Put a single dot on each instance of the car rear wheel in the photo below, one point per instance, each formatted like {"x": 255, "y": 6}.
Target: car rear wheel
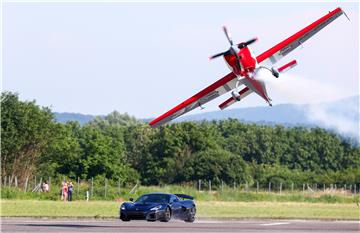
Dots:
{"x": 191, "y": 215}
{"x": 167, "y": 215}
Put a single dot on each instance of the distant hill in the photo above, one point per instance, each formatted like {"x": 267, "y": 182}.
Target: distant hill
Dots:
{"x": 64, "y": 117}
{"x": 341, "y": 115}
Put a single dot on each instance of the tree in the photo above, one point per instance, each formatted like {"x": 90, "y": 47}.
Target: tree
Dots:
{"x": 26, "y": 131}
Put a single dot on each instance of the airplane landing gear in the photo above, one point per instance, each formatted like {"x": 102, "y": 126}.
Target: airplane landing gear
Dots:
{"x": 236, "y": 95}
{"x": 275, "y": 72}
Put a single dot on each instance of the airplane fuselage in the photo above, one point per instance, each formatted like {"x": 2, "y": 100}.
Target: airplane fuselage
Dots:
{"x": 247, "y": 73}
{"x": 247, "y": 60}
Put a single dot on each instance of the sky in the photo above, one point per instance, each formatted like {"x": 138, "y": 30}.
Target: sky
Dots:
{"x": 145, "y": 58}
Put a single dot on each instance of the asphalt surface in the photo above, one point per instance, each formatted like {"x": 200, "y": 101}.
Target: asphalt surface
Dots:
{"x": 92, "y": 225}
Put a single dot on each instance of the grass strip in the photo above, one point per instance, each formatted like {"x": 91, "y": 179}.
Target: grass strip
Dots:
{"x": 205, "y": 209}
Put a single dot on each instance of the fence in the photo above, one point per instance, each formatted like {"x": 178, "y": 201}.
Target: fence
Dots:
{"x": 104, "y": 188}
{"x": 207, "y": 185}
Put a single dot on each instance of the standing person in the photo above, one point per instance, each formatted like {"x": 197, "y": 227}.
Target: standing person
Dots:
{"x": 65, "y": 191}
{"x": 70, "y": 191}
{"x": 46, "y": 187}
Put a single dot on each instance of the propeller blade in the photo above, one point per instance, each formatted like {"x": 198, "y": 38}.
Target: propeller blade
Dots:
{"x": 228, "y": 36}
{"x": 249, "y": 42}
{"x": 217, "y": 55}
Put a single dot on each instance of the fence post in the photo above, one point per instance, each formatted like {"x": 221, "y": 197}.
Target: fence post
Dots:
{"x": 78, "y": 186}
{"x": 303, "y": 188}
{"x": 49, "y": 183}
{"x": 35, "y": 183}
{"x": 324, "y": 187}
{"x": 40, "y": 184}
{"x": 280, "y": 187}
{"x": 210, "y": 185}
{"x": 335, "y": 187}
{"x": 292, "y": 187}
{"x": 222, "y": 185}
{"x": 199, "y": 185}
{"x": 26, "y": 184}
{"x": 355, "y": 189}
{"x": 269, "y": 187}
{"x": 4, "y": 180}
{"x": 257, "y": 186}
{"x": 234, "y": 184}
{"x": 119, "y": 186}
{"x": 92, "y": 186}
{"x": 16, "y": 183}
{"x": 246, "y": 186}
{"x": 87, "y": 195}
{"x": 105, "y": 187}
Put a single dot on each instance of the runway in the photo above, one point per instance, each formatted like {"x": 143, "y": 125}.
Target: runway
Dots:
{"x": 113, "y": 225}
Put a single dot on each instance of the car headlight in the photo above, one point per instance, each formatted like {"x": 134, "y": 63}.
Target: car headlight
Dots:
{"x": 122, "y": 207}
{"x": 156, "y": 207}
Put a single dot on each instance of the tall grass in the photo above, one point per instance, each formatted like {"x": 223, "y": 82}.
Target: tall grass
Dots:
{"x": 227, "y": 194}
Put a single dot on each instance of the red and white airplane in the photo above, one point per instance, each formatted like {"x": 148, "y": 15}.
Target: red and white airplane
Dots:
{"x": 244, "y": 66}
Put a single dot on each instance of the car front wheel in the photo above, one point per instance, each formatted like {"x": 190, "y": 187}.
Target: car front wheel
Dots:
{"x": 167, "y": 215}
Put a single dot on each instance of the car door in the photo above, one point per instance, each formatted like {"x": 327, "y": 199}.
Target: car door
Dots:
{"x": 175, "y": 206}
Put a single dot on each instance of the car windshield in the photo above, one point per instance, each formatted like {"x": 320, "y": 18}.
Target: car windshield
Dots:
{"x": 153, "y": 198}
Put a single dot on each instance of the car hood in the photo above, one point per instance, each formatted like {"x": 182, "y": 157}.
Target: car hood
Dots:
{"x": 138, "y": 206}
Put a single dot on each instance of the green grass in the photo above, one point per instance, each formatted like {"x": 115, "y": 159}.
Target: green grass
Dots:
{"x": 278, "y": 210}
{"x": 228, "y": 194}
{"x": 206, "y": 209}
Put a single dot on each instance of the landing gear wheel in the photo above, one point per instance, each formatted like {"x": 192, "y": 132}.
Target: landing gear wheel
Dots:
{"x": 167, "y": 215}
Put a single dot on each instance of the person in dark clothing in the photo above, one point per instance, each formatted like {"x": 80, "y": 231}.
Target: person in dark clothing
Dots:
{"x": 70, "y": 191}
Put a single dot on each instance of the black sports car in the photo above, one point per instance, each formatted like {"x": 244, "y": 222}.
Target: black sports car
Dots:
{"x": 159, "y": 206}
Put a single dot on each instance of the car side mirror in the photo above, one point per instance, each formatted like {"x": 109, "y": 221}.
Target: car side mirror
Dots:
{"x": 131, "y": 199}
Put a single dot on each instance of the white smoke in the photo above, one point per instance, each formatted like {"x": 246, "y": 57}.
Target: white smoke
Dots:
{"x": 323, "y": 115}
{"x": 313, "y": 95}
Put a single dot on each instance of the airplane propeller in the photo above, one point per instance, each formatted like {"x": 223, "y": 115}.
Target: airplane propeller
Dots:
{"x": 233, "y": 50}
{"x": 229, "y": 51}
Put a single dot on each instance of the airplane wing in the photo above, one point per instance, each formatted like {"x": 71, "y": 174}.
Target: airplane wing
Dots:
{"x": 280, "y": 50}
{"x": 213, "y": 91}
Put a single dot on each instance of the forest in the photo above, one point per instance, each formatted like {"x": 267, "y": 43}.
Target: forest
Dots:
{"x": 121, "y": 147}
